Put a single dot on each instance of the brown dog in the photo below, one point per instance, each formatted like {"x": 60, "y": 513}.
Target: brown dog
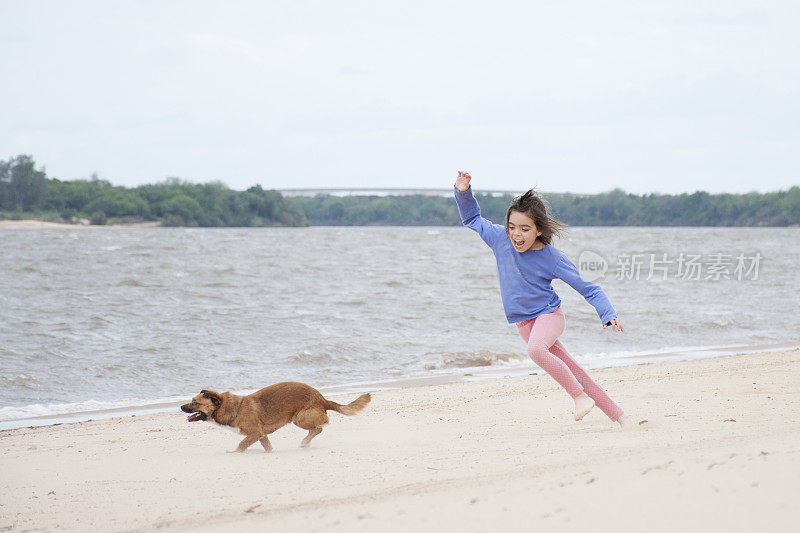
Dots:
{"x": 259, "y": 414}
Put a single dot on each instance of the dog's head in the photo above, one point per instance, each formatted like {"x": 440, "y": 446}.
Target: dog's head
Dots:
{"x": 203, "y": 406}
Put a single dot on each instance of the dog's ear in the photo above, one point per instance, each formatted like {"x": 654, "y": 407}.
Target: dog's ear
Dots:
{"x": 211, "y": 395}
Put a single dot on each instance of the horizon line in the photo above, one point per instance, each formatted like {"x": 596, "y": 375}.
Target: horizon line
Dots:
{"x": 384, "y": 191}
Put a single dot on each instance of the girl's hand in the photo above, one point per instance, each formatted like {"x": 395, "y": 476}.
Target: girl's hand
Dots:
{"x": 615, "y": 324}
{"x": 462, "y": 181}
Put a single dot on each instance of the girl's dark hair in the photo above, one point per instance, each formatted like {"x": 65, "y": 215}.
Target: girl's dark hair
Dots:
{"x": 534, "y": 206}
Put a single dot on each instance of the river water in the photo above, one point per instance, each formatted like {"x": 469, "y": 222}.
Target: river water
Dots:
{"x": 100, "y": 317}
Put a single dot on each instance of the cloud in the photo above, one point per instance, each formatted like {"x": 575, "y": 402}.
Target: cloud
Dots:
{"x": 579, "y": 95}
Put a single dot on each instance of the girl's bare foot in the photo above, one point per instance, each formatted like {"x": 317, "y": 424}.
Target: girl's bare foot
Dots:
{"x": 626, "y": 422}
{"x": 583, "y": 404}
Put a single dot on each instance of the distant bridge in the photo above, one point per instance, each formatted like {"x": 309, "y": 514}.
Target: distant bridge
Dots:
{"x": 366, "y": 191}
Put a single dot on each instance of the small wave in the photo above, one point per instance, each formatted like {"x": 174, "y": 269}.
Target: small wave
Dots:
{"x": 306, "y": 357}
{"x": 21, "y": 381}
{"x": 56, "y": 353}
{"x": 88, "y": 406}
{"x": 688, "y": 352}
{"x": 131, "y": 282}
{"x": 722, "y": 323}
{"x": 97, "y": 320}
{"x": 473, "y": 359}
{"x": 355, "y": 303}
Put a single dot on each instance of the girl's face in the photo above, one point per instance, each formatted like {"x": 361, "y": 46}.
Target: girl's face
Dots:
{"x": 523, "y": 232}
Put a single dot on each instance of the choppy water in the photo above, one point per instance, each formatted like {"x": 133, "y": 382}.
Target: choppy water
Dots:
{"x": 99, "y": 315}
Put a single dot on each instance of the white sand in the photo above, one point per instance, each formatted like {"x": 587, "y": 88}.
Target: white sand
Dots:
{"x": 720, "y": 451}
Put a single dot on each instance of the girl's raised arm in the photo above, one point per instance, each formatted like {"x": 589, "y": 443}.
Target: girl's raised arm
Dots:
{"x": 470, "y": 212}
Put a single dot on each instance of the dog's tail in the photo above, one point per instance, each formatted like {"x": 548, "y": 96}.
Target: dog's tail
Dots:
{"x": 351, "y": 408}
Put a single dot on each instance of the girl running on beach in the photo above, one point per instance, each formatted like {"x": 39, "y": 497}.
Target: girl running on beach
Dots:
{"x": 526, "y": 264}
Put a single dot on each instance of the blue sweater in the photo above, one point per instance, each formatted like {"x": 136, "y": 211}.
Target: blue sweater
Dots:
{"x": 525, "y": 277}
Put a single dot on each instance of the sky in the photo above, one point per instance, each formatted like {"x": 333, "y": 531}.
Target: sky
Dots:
{"x": 567, "y": 96}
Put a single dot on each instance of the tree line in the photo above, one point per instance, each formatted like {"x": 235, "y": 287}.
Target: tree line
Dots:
{"x": 614, "y": 208}
{"x": 27, "y": 192}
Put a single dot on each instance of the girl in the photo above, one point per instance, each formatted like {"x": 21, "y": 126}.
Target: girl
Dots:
{"x": 526, "y": 264}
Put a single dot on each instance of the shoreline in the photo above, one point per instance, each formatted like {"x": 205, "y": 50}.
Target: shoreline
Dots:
{"x": 714, "y": 448}
{"x": 32, "y": 223}
{"x": 460, "y": 375}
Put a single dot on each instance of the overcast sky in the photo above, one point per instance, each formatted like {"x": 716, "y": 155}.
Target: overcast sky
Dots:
{"x": 577, "y": 96}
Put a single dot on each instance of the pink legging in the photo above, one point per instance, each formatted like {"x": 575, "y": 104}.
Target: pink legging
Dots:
{"x": 541, "y": 334}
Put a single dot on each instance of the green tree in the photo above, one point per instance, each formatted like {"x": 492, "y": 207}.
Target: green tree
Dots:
{"x": 24, "y": 185}
{"x": 181, "y": 210}
{"x": 790, "y": 206}
{"x": 118, "y": 202}
{"x": 5, "y": 178}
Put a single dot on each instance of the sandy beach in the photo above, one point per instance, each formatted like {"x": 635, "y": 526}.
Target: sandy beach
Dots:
{"x": 715, "y": 449}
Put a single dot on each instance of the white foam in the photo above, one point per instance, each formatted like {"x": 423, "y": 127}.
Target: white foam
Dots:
{"x": 29, "y": 412}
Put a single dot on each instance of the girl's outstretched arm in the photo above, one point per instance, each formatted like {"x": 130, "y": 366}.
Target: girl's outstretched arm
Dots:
{"x": 565, "y": 270}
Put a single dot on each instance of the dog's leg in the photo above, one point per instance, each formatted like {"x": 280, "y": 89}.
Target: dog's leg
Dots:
{"x": 265, "y": 443}
{"x": 313, "y": 432}
{"x": 312, "y": 420}
{"x": 248, "y": 440}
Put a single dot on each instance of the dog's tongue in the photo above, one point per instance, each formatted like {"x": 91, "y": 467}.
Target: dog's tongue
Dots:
{"x": 193, "y": 417}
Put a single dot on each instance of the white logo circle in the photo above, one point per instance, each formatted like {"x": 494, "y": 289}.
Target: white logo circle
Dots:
{"x": 592, "y": 265}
